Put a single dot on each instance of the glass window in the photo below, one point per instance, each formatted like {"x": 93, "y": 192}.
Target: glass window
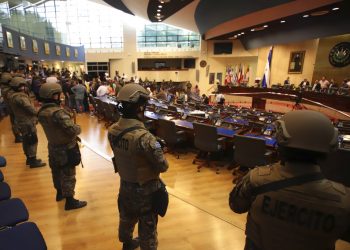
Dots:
{"x": 162, "y": 35}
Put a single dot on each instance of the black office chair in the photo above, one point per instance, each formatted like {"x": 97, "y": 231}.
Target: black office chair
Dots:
{"x": 173, "y": 137}
{"x": 336, "y": 166}
{"x": 248, "y": 153}
{"x": 207, "y": 141}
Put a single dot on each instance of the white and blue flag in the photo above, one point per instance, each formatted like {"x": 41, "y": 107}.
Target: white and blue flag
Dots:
{"x": 266, "y": 79}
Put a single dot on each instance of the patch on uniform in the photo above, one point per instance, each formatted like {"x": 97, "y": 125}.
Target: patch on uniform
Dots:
{"x": 263, "y": 171}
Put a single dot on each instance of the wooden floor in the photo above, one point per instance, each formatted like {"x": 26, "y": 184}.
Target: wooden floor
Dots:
{"x": 198, "y": 215}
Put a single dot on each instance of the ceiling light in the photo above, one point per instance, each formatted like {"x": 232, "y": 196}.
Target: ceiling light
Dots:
{"x": 335, "y": 8}
{"x": 16, "y": 57}
{"x": 252, "y": 30}
{"x": 235, "y": 36}
{"x": 239, "y": 35}
{"x": 159, "y": 10}
{"x": 159, "y": 20}
{"x": 283, "y": 21}
{"x": 265, "y": 26}
{"x": 158, "y": 14}
{"x": 242, "y": 33}
{"x": 160, "y": 6}
{"x": 306, "y": 15}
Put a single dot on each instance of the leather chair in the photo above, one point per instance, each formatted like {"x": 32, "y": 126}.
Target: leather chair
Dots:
{"x": 207, "y": 141}
{"x": 173, "y": 137}
{"x": 336, "y": 166}
{"x": 23, "y": 236}
{"x": 248, "y": 153}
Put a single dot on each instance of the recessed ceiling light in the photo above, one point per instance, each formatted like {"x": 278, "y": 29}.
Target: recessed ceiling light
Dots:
{"x": 265, "y": 26}
{"x": 252, "y": 30}
{"x": 335, "y": 8}
{"x": 158, "y": 10}
{"x": 283, "y": 21}
{"x": 235, "y": 36}
{"x": 239, "y": 34}
{"x": 306, "y": 15}
{"x": 158, "y": 14}
{"x": 160, "y": 6}
{"x": 159, "y": 20}
{"x": 242, "y": 33}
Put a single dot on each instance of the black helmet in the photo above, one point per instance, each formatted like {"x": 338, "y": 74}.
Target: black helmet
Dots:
{"x": 306, "y": 130}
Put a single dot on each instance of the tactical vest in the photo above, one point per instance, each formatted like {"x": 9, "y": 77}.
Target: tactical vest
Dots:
{"x": 55, "y": 133}
{"x": 132, "y": 163}
{"x": 22, "y": 115}
{"x": 310, "y": 216}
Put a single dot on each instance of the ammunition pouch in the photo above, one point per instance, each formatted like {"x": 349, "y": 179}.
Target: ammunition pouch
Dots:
{"x": 160, "y": 200}
{"x": 74, "y": 156}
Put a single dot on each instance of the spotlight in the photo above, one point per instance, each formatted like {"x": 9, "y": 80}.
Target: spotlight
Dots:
{"x": 265, "y": 26}
{"x": 283, "y": 21}
{"x": 335, "y": 8}
{"x": 242, "y": 33}
{"x": 305, "y": 16}
{"x": 160, "y": 6}
{"x": 252, "y": 30}
{"x": 158, "y": 10}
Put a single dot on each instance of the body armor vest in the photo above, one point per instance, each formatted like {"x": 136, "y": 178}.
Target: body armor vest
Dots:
{"x": 310, "y": 216}
{"x": 131, "y": 161}
{"x": 55, "y": 134}
{"x": 22, "y": 115}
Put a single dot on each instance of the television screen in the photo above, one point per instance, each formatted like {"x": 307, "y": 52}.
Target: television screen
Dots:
{"x": 222, "y": 48}
{"x": 159, "y": 65}
{"x": 189, "y": 63}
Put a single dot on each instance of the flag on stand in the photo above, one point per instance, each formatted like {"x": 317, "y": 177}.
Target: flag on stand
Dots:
{"x": 266, "y": 78}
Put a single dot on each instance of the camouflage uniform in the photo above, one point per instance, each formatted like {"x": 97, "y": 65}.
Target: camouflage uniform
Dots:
{"x": 140, "y": 160}
{"x": 6, "y": 93}
{"x": 25, "y": 116}
{"x": 61, "y": 134}
{"x": 292, "y": 206}
{"x": 308, "y": 216}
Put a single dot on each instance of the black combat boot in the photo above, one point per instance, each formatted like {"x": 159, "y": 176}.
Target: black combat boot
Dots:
{"x": 33, "y": 162}
{"x": 131, "y": 245}
{"x": 18, "y": 139}
{"x": 59, "y": 195}
{"x": 72, "y": 203}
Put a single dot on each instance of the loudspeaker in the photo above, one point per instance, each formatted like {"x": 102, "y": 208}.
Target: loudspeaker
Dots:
{"x": 133, "y": 68}
{"x": 197, "y": 75}
{"x": 207, "y": 71}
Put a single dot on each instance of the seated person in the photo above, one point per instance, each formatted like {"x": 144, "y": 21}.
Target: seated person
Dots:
{"x": 287, "y": 82}
{"x": 162, "y": 94}
{"x": 220, "y": 99}
{"x": 304, "y": 84}
{"x": 324, "y": 83}
{"x": 205, "y": 99}
{"x": 316, "y": 86}
{"x": 182, "y": 97}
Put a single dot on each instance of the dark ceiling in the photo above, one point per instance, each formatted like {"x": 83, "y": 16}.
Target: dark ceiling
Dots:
{"x": 222, "y": 20}
{"x": 167, "y": 10}
{"x": 210, "y": 13}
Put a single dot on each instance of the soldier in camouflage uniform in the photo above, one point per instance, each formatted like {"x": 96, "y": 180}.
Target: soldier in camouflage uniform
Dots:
{"x": 25, "y": 116}
{"x": 139, "y": 160}
{"x": 64, "y": 152}
{"x": 291, "y": 205}
{"x": 6, "y": 91}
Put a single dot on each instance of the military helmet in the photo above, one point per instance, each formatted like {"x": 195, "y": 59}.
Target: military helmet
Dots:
{"x": 306, "y": 130}
{"x": 5, "y": 78}
{"x": 47, "y": 90}
{"x": 16, "y": 82}
{"x": 132, "y": 93}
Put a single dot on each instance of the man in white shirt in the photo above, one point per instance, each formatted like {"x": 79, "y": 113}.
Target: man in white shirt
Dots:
{"x": 220, "y": 99}
{"x": 324, "y": 83}
{"x": 102, "y": 90}
{"x": 52, "y": 78}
